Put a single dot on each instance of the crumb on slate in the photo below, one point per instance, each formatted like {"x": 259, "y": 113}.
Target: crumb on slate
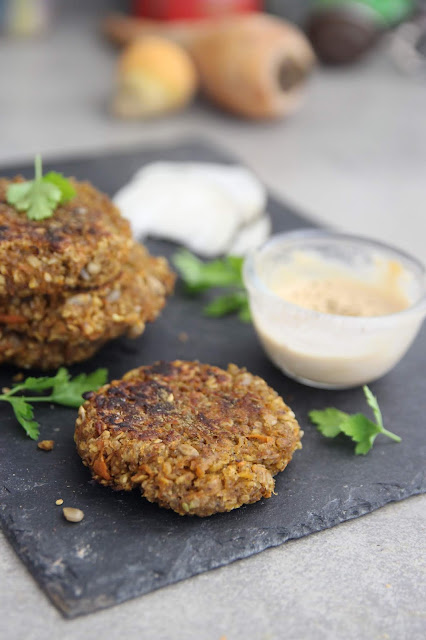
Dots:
{"x": 73, "y": 515}
{"x": 46, "y": 445}
{"x": 18, "y": 377}
{"x": 59, "y": 501}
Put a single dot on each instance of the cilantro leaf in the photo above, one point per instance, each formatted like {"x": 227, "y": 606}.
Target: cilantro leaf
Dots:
{"x": 69, "y": 392}
{"x": 40, "y": 384}
{"x": 223, "y": 305}
{"x": 24, "y": 414}
{"x": 37, "y": 198}
{"x": 245, "y": 313}
{"x": 237, "y": 263}
{"x": 363, "y": 431}
{"x": 328, "y": 421}
{"x": 199, "y": 276}
{"x": 40, "y": 197}
{"x": 66, "y": 188}
{"x": 19, "y": 195}
{"x": 66, "y": 391}
{"x": 373, "y": 404}
{"x": 226, "y": 273}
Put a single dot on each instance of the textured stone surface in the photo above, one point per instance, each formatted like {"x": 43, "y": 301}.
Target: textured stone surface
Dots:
{"x": 126, "y": 547}
{"x": 362, "y": 579}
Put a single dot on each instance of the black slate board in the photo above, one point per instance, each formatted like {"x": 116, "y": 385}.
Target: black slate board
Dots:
{"x": 125, "y": 546}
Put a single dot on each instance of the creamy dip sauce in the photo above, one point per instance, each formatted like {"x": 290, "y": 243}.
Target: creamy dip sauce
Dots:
{"x": 330, "y": 368}
{"x": 326, "y": 352}
{"x": 343, "y": 296}
{"x": 315, "y": 284}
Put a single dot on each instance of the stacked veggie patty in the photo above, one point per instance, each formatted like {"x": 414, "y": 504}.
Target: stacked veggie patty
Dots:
{"x": 71, "y": 282}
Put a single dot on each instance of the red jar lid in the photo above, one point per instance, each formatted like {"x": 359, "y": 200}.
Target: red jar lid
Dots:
{"x": 192, "y": 9}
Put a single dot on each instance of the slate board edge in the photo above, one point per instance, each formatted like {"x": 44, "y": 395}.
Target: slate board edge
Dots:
{"x": 84, "y": 606}
{"x": 222, "y": 152}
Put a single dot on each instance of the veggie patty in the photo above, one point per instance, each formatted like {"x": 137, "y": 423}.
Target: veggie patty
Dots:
{"x": 193, "y": 437}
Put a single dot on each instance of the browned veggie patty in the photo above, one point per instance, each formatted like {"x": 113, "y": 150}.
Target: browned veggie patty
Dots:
{"x": 194, "y": 438}
{"x": 83, "y": 245}
{"x": 28, "y": 353}
{"x": 126, "y": 303}
{"x": 46, "y": 331}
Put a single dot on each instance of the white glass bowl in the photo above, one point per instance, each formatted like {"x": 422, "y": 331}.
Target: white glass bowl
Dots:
{"x": 325, "y": 350}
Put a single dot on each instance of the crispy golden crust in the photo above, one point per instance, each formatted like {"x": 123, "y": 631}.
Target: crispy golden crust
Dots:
{"x": 194, "y": 438}
{"x": 28, "y": 353}
{"x": 83, "y": 244}
{"x": 125, "y": 304}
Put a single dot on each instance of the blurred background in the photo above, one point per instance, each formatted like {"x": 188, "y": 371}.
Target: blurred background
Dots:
{"x": 326, "y": 102}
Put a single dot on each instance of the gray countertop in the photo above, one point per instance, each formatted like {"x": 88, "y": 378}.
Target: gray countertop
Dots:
{"x": 353, "y": 157}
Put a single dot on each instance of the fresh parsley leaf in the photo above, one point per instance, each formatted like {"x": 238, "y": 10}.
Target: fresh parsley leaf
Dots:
{"x": 69, "y": 392}
{"x": 199, "y": 276}
{"x": 40, "y": 384}
{"x": 237, "y": 263}
{"x": 328, "y": 421}
{"x": 24, "y": 414}
{"x": 40, "y": 197}
{"x": 37, "y": 198}
{"x": 244, "y": 313}
{"x": 373, "y": 404}
{"x": 65, "y": 391}
{"x": 225, "y": 273}
{"x": 363, "y": 431}
{"x": 223, "y": 305}
{"x": 67, "y": 190}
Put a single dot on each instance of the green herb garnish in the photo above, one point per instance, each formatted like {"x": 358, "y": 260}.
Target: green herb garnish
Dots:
{"x": 65, "y": 391}
{"x": 40, "y": 197}
{"x": 225, "y": 273}
{"x": 64, "y": 185}
{"x": 330, "y": 422}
